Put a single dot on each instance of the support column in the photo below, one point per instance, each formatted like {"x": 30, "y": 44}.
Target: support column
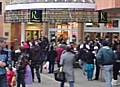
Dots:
{"x": 45, "y": 29}
{"x": 22, "y": 32}
{"x": 81, "y": 31}
{"x": 119, "y": 28}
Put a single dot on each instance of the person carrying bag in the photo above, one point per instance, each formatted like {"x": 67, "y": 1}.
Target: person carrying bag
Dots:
{"x": 66, "y": 61}
{"x": 59, "y": 75}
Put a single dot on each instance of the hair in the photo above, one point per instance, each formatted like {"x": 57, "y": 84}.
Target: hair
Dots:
{"x": 68, "y": 49}
{"x": 105, "y": 43}
{"x": 51, "y": 48}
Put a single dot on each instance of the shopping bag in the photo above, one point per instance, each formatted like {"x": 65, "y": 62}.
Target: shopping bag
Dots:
{"x": 46, "y": 65}
{"x": 59, "y": 76}
{"x": 13, "y": 82}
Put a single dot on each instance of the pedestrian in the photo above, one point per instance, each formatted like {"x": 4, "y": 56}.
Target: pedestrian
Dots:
{"x": 97, "y": 67}
{"x": 59, "y": 51}
{"x": 89, "y": 66}
{"x": 116, "y": 66}
{"x": 105, "y": 58}
{"x": 20, "y": 70}
{"x": 51, "y": 58}
{"x": 28, "y": 73}
{"x": 36, "y": 61}
{"x": 67, "y": 60}
{"x": 3, "y": 62}
{"x": 10, "y": 76}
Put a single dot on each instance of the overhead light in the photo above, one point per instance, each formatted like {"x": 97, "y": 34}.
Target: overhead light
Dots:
{"x": 55, "y": 0}
{"x": 89, "y": 24}
{"x": 46, "y": 0}
{"x": 75, "y": 0}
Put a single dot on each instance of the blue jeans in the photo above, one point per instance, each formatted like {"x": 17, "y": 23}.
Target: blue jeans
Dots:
{"x": 107, "y": 72}
{"x": 89, "y": 74}
{"x": 71, "y": 83}
{"x": 3, "y": 81}
{"x": 89, "y": 68}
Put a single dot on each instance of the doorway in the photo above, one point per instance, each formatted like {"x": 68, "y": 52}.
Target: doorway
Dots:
{"x": 31, "y": 34}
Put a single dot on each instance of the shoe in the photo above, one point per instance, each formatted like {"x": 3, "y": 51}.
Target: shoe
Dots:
{"x": 39, "y": 80}
{"x": 89, "y": 79}
{"x": 33, "y": 80}
{"x": 114, "y": 82}
{"x": 95, "y": 79}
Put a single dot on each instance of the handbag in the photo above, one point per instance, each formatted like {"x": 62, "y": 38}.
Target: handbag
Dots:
{"x": 59, "y": 75}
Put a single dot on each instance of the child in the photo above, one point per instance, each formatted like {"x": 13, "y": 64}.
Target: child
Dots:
{"x": 28, "y": 73}
{"x": 11, "y": 77}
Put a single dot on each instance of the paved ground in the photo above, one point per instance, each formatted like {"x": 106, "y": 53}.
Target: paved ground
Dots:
{"x": 80, "y": 81}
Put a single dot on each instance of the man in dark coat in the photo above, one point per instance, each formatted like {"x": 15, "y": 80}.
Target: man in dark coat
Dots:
{"x": 35, "y": 61}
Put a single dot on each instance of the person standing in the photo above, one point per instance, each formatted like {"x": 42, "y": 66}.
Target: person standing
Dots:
{"x": 105, "y": 58}
{"x": 20, "y": 70}
{"x": 97, "y": 67}
{"x": 59, "y": 51}
{"x": 67, "y": 61}
{"x": 89, "y": 66}
{"x": 116, "y": 66}
{"x": 3, "y": 62}
{"x": 36, "y": 61}
{"x": 51, "y": 58}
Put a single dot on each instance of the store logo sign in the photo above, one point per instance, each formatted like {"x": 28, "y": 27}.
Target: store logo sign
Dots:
{"x": 102, "y": 17}
{"x": 36, "y": 16}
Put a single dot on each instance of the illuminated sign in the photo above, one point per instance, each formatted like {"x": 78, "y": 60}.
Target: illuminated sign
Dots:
{"x": 36, "y": 16}
{"x": 102, "y": 17}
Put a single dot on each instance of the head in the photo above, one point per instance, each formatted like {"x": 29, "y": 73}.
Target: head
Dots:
{"x": 2, "y": 42}
{"x": 68, "y": 48}
{"x": 10, "y": 67}
{"x": 51, "y": 48}
{"x": 105, "y": 43}
{"x": 118, "y": 48}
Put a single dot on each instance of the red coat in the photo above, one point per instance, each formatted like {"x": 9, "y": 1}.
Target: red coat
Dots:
{"x": 59, "y": 52}
{"x": 10, "y": 75}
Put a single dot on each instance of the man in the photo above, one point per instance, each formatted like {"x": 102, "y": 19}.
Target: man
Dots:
{"x": 3, "y": 62}
{"x": 36, "y": 61}
{"x": 106, "y": 58}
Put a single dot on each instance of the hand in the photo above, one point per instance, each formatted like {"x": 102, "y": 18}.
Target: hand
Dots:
{"x": 2, "y": 64}
{"x": 61, "y": 69}
{"x": 100, "y": 66}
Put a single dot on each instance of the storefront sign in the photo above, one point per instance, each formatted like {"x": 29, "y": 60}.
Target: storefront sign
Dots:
{"x": 36, "y": 16}
{"x": 102, "y": 17}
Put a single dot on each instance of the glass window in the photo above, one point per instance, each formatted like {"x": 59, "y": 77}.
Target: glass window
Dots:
{"x": 115, "y": 23}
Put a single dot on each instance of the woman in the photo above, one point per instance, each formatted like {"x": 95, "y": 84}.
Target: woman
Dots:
{"x": 66, "y": 61}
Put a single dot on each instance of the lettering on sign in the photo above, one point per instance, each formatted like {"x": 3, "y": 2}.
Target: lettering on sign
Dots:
{"x": 36, "y": 16}
{"x": 102, "y": 17}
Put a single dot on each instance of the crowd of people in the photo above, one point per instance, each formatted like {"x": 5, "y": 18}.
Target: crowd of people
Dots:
{"x": 19, "y": 65}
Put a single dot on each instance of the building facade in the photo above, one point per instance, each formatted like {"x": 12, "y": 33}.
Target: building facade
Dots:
{"x": 112, "y": 7}
{"x": 58, "y": 18}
